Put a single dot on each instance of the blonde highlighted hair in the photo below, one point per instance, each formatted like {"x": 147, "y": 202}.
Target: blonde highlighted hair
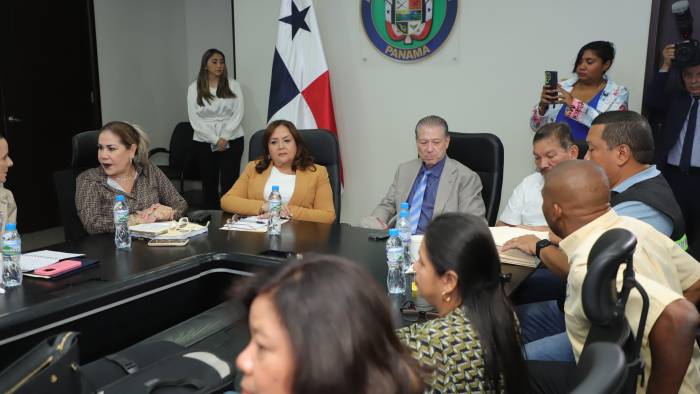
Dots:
{"x": 130, "y": 134}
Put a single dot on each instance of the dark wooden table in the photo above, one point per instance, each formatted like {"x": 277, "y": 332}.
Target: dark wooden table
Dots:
{"x": 133, "y": 294}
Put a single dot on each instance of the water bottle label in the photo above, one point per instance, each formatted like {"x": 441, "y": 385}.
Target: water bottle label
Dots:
{"x": 121, "y": 216}
{"x": 394, "y": 254}
{"x": 275, "y": 205}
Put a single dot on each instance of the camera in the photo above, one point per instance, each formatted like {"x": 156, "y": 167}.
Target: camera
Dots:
{"x": 687, "y": 52}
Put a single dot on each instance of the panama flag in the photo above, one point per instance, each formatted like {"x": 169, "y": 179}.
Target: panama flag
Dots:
{"x": 301, "y": 87}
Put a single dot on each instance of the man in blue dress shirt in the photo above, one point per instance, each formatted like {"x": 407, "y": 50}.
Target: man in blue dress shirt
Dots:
{"x": 431, "y": 184}
{"x": 623, "y": 144}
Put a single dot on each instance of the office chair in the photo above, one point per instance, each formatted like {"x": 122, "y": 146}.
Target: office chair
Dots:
{"x": 84, "y": 157}
{"x": 601, "y": 369}
{"x": 605, "y": 306}
{"x": 181, "y": 164}
{"x": 483, "y": 154}
{"x": 323, "y": 146}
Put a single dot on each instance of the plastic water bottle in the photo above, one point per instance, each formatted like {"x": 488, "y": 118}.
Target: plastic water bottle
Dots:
{"x": 395, "y": 278}
{"x": 404, "y": 227}
{"x": 122, "y": 239}
{"x": 274, "y": 203}
{"x": 11, "y": 253}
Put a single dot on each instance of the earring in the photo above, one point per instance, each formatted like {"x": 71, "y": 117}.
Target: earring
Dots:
{"x": 445, "y": 297}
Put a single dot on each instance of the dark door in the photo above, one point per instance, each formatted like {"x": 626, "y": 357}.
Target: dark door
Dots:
{"x": 49, "y": 93}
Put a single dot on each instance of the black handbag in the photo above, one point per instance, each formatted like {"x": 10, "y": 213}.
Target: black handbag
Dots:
{"x": 52, "y": 366}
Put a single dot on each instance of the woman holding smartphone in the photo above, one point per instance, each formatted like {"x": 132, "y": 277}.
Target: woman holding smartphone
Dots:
{"x": 579, "y": 100}
{"x": 215, "y": 109}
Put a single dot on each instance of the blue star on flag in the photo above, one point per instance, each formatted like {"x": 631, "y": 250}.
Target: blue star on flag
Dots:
{"x": 297, "y": 19}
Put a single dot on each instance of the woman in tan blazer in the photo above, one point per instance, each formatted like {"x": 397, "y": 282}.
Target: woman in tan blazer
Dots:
{"x": 305, "y": 188}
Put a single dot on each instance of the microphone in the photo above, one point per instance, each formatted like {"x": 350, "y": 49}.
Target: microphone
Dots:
{"x": 684, "y": 19}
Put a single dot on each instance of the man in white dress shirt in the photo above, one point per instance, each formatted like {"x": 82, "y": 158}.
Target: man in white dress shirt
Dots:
{"x": 552, "y": 144}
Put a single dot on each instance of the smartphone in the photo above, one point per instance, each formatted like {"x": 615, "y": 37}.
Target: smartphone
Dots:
{"x": 59, "y": 268}
{"x": 168, "y": 242}
{"x": 378, "y": 236}
{"x": 551, "y": 80}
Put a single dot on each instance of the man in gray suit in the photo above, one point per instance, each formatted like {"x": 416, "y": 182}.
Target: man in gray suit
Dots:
{"x": 432, "y": 184}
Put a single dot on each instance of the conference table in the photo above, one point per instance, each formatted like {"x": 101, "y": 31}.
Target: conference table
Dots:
{"x": 132, "y": 295}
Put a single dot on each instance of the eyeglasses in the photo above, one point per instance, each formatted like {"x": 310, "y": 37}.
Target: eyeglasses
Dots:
{"x": 235, "y": 221}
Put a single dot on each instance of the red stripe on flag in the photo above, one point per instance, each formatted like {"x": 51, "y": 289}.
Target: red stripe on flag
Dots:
{"x": 318, "y": 98}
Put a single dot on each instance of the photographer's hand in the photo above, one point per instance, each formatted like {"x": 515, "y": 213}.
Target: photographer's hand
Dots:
{"x": 669, "y": 53}
{"x": 546, "y": 98}
{"x": 564, "y": 96}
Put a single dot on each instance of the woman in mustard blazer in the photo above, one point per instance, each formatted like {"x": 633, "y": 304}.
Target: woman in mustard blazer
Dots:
{"x": 304, "y": 186}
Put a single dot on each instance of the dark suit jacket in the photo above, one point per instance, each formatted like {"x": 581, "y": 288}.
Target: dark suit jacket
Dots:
{"x": 674, "y": 107}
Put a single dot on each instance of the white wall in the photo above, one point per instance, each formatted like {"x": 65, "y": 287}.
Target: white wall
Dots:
{"x": 486, "y": 77}
{"x": 149, "y": 52}
{"x": 208, "y": 25}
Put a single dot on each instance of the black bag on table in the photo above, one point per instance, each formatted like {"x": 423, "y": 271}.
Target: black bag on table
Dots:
{"x": 50, "y": 367}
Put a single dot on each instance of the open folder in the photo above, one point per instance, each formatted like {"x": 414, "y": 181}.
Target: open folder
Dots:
{"x": 503, "y": 234}
{"x": 36, "y": 260}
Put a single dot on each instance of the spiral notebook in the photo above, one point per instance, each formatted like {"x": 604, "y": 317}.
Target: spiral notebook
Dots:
{"x": 40, "y": 259}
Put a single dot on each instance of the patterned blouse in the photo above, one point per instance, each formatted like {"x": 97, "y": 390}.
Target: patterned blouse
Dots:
{"x": 450, "y": 346}
{"x": 94, "y": 198}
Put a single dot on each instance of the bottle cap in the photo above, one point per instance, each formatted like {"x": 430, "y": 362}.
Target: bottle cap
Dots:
{"x": 119, "y": 197}
{"x": 404, "y": 205}
{"x": 275, "y": 188}
{"x": 403, "y": 213}
{"x": 10, "y": 227}
{"x": 393, "y": 232}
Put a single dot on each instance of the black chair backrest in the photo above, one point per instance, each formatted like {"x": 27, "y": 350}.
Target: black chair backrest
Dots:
{"x": 180, "y": 157}
{"x": 601, "y": 369}
{"x": 604, "y": 305}
{"x": 64, "y": 181}
{"x": 323, "y": 146}
{"x": 483, "y": 154}
{"x": 599, "y": 293}
{"x": 85, "y": 150}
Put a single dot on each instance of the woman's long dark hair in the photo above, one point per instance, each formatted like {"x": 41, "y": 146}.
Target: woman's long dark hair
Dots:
{"x": 222, "y": 89}
{"x": 302, "y": 160}
{"x": 339, "y": 324}
{"x": 463, "y": 243}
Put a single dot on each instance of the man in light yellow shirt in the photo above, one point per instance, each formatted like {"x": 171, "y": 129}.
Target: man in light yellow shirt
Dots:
{"x": 576, "y": 204}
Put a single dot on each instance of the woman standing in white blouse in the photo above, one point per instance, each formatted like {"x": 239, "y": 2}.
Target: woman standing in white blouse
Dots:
{"x": 215, "y": 109}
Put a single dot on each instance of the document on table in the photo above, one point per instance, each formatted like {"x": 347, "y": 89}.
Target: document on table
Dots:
{"x": 167, "y": 230}
{"x": 36, "y": 260}
{"x": 503, "y": 234}
{"x": 250, "y": 223}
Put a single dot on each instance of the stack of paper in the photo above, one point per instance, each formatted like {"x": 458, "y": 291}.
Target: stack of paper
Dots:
{"x": 503, "y": 234}
{"x": 36, "y": 260}
{"x": 150, "y": 230}
{"x": 167, "y": 230}
{"x": 250, "y": 223}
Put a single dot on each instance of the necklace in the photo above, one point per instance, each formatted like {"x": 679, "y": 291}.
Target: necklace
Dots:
{"x": 121, "y": 178}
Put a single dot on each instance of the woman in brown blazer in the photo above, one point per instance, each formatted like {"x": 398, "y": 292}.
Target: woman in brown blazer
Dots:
{"x": 305, "y": 188}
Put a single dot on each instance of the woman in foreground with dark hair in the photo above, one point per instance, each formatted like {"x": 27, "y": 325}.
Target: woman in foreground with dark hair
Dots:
{"x": 474, "y": 346}
{"x": 304, "y": 186}
{"x": 322, "y": 325}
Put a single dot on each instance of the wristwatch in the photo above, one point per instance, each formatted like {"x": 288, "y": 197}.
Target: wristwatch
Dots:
{"x": 541, "y": 244}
